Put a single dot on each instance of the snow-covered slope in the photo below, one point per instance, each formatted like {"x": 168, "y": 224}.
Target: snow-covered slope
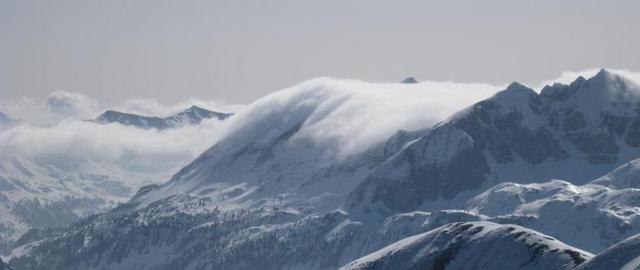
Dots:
{"x": 474, "y": 245}
{"x": 44, "y": 195}
{"x": 591, "y": 216}
{"x": 624, "y": 256}
{"x": 575, "y": 132}
{"x": 191, "y": 116}
{"x": 625, "y": 176}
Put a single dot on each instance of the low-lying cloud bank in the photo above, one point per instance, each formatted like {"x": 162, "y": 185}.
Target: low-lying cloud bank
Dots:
{"x": 127, "y": 147}
{"x": 55, "y": 130}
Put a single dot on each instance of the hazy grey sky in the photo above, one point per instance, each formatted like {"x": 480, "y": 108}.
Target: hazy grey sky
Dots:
{"x": 241, "y": 50}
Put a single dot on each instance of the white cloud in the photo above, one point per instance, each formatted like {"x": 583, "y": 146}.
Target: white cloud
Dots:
{"x": 73, "y": 105}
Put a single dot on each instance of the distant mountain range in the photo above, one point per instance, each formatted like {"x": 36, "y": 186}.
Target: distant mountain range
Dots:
{"x": 191, "y": 116}
{"x": 520, "y": 180}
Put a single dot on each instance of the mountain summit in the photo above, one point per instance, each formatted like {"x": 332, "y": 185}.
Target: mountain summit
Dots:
{"x": 410, "y": 80}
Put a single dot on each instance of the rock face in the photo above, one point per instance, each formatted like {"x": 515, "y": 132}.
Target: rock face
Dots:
{"x": 474, "y": 245}
{"x": 574, "y": 132}
{"x": 191, "y": 116}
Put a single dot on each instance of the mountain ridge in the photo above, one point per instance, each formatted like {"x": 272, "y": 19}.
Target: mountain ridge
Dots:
{"x": 190, "y": 116}
{"x": 516, "y": 134}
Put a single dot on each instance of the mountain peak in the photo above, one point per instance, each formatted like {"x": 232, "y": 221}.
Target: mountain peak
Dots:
{"x": 514, "y": 92}
{"x": 195, "y": 108}
{"x": 516, "y": 86}
{"x": 603, "y": 73}
{"x": 604, "y": 79}
{"x": 410, "y": 80}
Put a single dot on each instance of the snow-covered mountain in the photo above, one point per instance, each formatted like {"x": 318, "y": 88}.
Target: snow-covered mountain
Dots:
{"x": 573, "y": 132}
{"x": 474, "y": 245}
{"x": 191, "y": 116}
{"x": 318, "y": 175}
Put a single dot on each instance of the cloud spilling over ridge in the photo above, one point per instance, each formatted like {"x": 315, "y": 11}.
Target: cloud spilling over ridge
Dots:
{"x": 349, "y": 116}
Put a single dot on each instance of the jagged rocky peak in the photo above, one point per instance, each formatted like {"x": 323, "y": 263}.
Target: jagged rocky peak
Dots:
{"x": 410, "y": 80}
{"x": 516, "y": 94}
{"x": 191, "y": 116}
{"x": 603, "y": 87}
{"x": 518, "y": 87}
{"x": 204, "y": 113}
{"x": 474, "y": 245}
